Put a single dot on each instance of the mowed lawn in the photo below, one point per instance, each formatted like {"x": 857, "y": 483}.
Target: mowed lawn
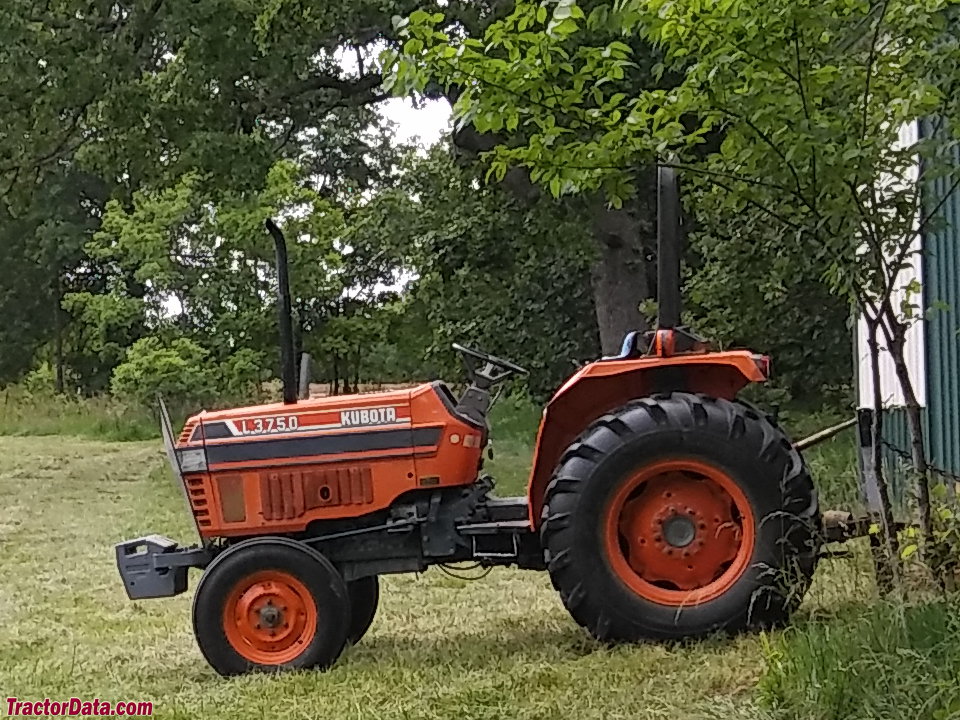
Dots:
{"x": 501, "y": 647}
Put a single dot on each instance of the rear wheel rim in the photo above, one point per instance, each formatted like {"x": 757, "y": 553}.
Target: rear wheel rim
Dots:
{"x": 270, "y": 617}
{"x": 679, "y": 532}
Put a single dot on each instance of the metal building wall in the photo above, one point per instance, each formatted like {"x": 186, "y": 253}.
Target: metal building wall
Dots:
{"x": 896, "y": 432}
{"x": 941, "y": 288}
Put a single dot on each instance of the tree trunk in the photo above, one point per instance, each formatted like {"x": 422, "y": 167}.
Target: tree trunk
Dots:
{"x": 336, "y": 375}
{"x": 887, "y": 524}
{"x": 619, "y": 277}
{"x": 58, "y": 335}
{"x": 619, "y": 286}
{"x": 356, "y": 370}
{"x": 918, "y": 455}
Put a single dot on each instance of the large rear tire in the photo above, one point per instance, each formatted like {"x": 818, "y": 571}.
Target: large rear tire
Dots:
{"x": 270, "y": 604}
{"x": 679, "y": 515}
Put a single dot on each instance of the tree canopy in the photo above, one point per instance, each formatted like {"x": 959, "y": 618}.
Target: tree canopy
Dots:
{"x": 145, "y": 143}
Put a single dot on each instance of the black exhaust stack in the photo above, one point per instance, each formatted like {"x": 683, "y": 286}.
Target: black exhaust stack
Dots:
{"x": 288, "y": 368}
{"x": 669, "y": 235}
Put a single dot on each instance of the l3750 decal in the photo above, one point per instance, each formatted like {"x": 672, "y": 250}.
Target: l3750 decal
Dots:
{"x": 326, "y": 419}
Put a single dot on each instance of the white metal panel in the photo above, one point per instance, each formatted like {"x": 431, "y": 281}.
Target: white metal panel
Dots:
{"x": 914, "y": 352}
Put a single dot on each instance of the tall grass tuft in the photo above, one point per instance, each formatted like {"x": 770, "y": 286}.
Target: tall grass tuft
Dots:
{"x": 889, "y": 662}
{"x": 103, "y": 418}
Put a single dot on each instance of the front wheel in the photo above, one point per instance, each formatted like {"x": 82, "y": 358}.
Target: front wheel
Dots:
{"x": 679, "y": 515}
{"x": 270, "y": 604}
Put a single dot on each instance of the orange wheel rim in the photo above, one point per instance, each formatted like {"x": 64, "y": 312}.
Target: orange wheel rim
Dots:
{"x": 679, "y": 532}
{"x": 270, "y": 617}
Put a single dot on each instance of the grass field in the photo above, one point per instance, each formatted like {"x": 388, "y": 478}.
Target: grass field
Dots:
{"x": 440, "y": 647}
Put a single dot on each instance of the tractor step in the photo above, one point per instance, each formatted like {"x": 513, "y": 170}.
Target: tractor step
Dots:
{"x": 504, "y": 542}
{"x": 499, "y": 527}
{"x": 506, "y": 508}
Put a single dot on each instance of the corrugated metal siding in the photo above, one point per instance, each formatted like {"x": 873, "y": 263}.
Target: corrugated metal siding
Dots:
{"x": 914, "y": 349}
{"x": 941, "y": 282}
{"x": 897, "y": 433}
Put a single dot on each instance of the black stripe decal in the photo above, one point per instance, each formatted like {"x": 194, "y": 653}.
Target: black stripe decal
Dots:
{"x": 323, "y": 445}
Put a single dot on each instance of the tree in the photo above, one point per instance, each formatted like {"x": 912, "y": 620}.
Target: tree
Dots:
{"x": 116, "y": 99}
{"x": 789, "y": 110}
{"x": 489, "y": 270}
{"x": 622, "y": 238}
{"x": 209, "y": 253}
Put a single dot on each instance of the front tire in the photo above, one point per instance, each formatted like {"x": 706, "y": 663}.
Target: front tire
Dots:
{"x": 679, "y": 515}
{"x": 270, "y": 604}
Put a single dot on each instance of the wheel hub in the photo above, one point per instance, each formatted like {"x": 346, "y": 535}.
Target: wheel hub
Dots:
{"x": 679, "y": 531}
{"x": 270, "y": 618}
{"x": 677, "y": 528}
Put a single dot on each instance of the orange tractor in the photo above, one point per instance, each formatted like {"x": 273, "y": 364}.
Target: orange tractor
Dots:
{"x": 661, "y": 505}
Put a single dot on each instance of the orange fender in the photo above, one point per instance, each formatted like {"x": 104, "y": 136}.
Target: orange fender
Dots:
{"x": 601, "y": 386}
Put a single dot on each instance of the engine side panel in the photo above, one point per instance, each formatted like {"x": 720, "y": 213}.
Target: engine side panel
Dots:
{"x": 277, "y": 468}
{"x": 601, "y": 386}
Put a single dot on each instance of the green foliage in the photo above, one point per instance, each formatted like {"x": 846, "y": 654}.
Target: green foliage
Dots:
{"x": 773, "y": 301}
{"x": 890, "y": 663}
{"x": 784, "y": 114}
{"x": 102, "y": 325}
{"x": 168, "y": 113}
{"x": 40, "y": 381}
{"x": 510, "y": 278}
{"x": 241, "y": 375}
{"x": 180, "y": 371}
{"x": 940, "y": 557}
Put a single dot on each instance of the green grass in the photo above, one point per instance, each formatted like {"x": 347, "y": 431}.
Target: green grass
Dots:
{"x": 24, "y": 413}
{"x": 440, "y": 647}
{"x": 890, "y": 662}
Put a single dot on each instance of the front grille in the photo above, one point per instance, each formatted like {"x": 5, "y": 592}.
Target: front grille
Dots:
{"x": 197, "y": 492}
{"x": 187, "y": 432}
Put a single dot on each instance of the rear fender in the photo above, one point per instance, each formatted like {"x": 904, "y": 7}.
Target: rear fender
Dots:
{"x": 604, "y": 385}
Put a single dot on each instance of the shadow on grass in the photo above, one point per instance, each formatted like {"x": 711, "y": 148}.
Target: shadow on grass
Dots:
{"x": 490, "y": 642}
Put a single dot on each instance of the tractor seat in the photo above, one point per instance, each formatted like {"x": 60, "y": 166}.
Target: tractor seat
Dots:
{"x": 633, "y": 346}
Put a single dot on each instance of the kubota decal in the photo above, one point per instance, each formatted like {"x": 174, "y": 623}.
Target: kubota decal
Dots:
{"x": 302, "y": 422}
{"x": 368, "y": 416}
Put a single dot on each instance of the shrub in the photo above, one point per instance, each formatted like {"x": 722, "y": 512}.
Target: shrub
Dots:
{"x": 40, "y": 381}
{"x": 241, "y": 375}
{"x": 180, "y": 371}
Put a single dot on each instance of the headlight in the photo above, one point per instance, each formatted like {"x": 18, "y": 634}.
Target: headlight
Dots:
{"x": 192, "y": 460}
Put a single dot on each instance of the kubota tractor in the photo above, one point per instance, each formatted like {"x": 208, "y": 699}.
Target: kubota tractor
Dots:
{"x": 661, "y": 505}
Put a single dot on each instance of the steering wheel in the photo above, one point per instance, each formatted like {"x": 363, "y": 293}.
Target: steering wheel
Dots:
{"x": 490, "y": 363}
